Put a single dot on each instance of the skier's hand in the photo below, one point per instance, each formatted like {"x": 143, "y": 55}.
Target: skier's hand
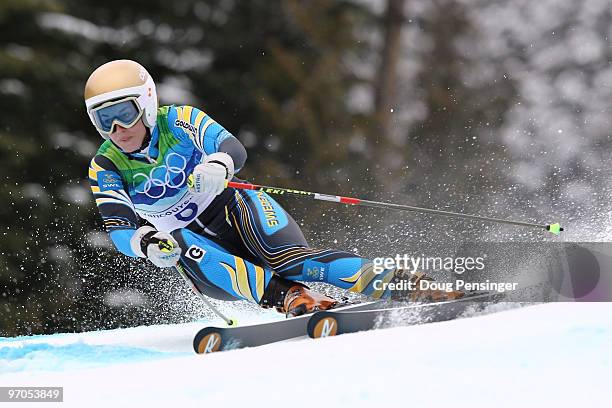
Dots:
{"x": 160, "y": 247}
{"x": 210, "y": 176}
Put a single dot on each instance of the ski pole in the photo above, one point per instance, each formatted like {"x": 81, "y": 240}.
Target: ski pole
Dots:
{"x": 553, "y": 228}
{"x": 167, "y": 246}
{"x": 228, "y": 321}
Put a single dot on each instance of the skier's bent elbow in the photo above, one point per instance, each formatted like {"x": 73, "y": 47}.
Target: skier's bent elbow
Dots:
{"x": 121, "y": 239}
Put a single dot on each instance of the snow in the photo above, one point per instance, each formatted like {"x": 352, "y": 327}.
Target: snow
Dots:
{"x": 542, "y": 355}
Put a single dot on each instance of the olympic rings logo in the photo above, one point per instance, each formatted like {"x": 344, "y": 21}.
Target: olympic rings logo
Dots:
{"x": 165, "y": 181}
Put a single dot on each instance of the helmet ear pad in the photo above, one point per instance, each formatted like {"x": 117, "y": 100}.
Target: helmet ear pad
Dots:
{"x": 148, "y": 103}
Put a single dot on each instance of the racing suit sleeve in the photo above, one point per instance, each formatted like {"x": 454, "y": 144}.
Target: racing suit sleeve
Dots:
{"x": 207, "y": 135}
{"x": 114, "y": 204}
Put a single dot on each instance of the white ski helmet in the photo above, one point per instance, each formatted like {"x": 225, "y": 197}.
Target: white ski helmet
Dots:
{"x": 117, "y": 80}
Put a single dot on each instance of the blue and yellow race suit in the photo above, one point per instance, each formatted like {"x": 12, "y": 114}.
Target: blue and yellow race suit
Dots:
{"x": 232, "y": 243}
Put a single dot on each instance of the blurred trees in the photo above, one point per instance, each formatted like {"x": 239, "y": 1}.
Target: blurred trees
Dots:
{"x": 273, "y": 73}
{"x": 462, "y": 104}
{"x": 42, "y": 213}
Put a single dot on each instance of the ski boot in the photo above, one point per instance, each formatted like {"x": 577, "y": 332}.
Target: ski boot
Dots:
{"x": 416, "y": 294}
{"x": 294, "y": 298}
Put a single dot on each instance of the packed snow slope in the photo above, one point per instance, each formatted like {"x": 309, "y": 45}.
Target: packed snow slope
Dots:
{"x": 538, "y": 356}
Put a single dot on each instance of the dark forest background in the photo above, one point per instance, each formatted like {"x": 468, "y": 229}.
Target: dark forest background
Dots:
{"x": 492, "y": 107}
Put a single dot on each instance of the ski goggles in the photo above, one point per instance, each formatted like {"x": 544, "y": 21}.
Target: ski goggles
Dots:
{"x": 124, "y": 112}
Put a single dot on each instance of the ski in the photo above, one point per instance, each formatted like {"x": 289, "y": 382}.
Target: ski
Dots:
{"x": 335, "y": 322}
{"x": 212, "y": 339}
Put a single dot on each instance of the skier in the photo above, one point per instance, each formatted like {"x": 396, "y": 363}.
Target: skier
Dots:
{"x": 159, "y": 181}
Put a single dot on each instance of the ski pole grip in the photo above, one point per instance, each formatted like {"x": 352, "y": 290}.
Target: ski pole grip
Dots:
{"x": 165, "y": 245}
